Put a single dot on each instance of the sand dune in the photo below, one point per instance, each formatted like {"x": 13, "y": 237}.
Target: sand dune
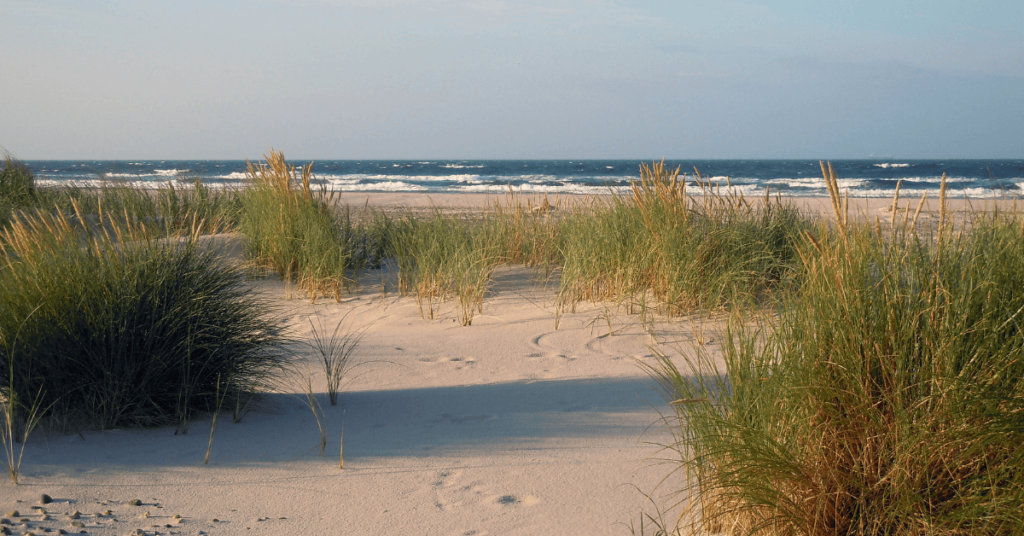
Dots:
{"x": 508, "y": 426}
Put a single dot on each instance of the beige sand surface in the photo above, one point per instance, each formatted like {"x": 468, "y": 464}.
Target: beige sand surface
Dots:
{"x": 507, "y": 426}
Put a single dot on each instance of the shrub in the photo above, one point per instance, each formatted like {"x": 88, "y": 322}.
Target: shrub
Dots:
{"x": 121, "y": 329}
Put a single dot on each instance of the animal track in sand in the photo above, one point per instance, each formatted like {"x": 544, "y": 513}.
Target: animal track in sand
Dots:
{"x": 451, "y": 492}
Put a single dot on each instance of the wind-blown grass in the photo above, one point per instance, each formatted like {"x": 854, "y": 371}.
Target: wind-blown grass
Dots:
{"x": 690, "y": 252}
{"x": 17, "y": 188}
{"x": 888, "y": 397}
{"x": 443, "y": 257}
{"x": 295, "y": 229}
{"x": 118, "y": 328}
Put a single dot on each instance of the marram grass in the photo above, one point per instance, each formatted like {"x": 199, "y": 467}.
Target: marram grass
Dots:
{"x": 115, "y": 327}
{"x": 887, "y": 398}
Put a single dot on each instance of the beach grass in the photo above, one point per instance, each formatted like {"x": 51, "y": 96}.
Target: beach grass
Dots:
{"x": 689, "y": 252}
{"x": 118, "y": 327}
{"x": 443, "y": 257}
{"x": 886, "y": 397}
{"x": 299, "y": 230}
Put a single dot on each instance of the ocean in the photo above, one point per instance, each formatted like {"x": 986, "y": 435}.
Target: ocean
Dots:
{"x": 863, "y": 178}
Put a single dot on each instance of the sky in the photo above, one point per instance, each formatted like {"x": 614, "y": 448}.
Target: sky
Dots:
{"x": 483, "y": 79}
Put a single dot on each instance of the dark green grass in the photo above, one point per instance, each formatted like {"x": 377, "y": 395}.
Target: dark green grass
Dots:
{"x": 117, "y": 328}
{"x": 17, "y": 188}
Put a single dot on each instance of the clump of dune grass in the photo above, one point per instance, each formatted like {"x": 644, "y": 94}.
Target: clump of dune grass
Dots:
{"x": 688, "y": 252}
{"x": 443, "y": 257}
{"x": 887, "y": 398}
{"x": 296, "y": 229}
{"x": 526, "y": 231}
{"x": 189, "y": 199}
{"x": 118, "y": 328}
{"x": 17, "y": 188}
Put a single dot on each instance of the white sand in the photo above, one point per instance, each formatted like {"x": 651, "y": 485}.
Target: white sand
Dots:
{"x": 507, "y": 426}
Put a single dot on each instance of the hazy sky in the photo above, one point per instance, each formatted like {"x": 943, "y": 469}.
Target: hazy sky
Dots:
{"x": 512, "y": 79}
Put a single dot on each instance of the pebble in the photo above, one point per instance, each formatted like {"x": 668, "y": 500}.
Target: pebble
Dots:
{"x": 75, "y": 515}
{"x": 5, "y": 521}
{"x": 13, "y": 513}
{"x": 176, "y": 516}
{"x": 5, "y": 530}
{"x": 214, "y": 520}
{"x": 108, "y": 513}
{"x": 78, "y": 524}
{"x": 134, "y": 502}
{"x": 45, "y": 499}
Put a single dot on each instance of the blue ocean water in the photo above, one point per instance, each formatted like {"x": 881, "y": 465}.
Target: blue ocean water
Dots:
{"x": 863, "y": 178}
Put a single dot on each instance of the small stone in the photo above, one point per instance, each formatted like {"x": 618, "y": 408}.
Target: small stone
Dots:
{"x": 75, "y": 515}
{"x": 214, "y": 520}
{"x": 134, "y": 502}
{"x": 30, "y": 534}
{"x": 108, "y": 513}
{"x": 5, "y": 521}
{"x": 24, "y": 520}
{"x": 176, "y": 516}
{"x": 61, "y": 531}
{"x": 145, "y": 514}
{"x": 46, "y": 517}
{"x": 45, "y": 499}
{"x": 13, "y": 513}
{"x": 5, "y": 530}
{"x": 77, "y": 524}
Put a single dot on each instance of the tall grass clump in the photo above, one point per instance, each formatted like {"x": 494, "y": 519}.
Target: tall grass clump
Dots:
{"x": 443, "y": 257}
{"x": 690, "y": 251}
{"x": 295, "y": 228}
{"x": 887, "y": 398}
{"x": 17, "y": 188}
{"x": 116, "y": 328}
{"x": 189, "y": 199}
{"x": 526, "y": 231}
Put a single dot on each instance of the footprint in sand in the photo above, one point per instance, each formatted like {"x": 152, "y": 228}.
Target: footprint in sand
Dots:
{"x": 512, "y": 500}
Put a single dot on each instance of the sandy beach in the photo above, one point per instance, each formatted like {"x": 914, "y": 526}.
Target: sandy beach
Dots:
{"x": 507, "y": 426}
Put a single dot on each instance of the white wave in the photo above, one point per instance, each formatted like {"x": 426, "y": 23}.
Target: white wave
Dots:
{"x": 887, "y": 166}
{"x": 545, "y": 188}
{"x": 232, "y": 175}
{"x": 127, "y": 175}
{"x": 460, "y": 166}
{"x": 936, "y": 180}
{"x": 169, "y": 172}
{"x": 416, "y": 178}
{"x": 396, "y": 186}
{"x": 817, "y": 183}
